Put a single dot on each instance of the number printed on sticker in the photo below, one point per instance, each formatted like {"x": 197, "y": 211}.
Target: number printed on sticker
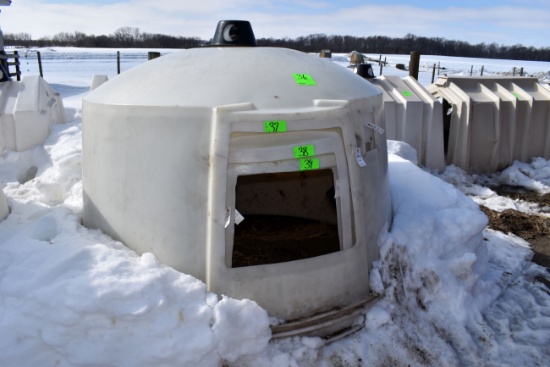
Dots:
{"x": 304, "y": 79}
{"x": 309, "y": 164}
{"x": 304, "y": 151}
{"x": 275, "y": 126}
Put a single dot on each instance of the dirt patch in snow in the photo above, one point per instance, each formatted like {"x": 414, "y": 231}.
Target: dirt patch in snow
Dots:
{"x": 533, "y": 228}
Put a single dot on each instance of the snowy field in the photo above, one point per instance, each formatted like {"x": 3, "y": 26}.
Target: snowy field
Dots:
{"x": 454, "y": 293}
{"x": 77, "y": 64}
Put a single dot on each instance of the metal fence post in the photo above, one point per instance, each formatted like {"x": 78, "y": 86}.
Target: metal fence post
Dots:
{"x": 39, "y": 57}
{"x": 118, "y": 62}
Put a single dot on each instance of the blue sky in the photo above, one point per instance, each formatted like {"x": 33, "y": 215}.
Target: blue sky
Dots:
{"x": 505, "y": 22}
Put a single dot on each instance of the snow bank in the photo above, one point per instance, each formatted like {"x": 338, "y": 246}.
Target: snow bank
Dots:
{"x": 436, "y": 246}
{"x": 70, "y": 296}
{"x": 534, "y": 176}
{"x": 402, "y": 150}
{"x": 432, "y": 265}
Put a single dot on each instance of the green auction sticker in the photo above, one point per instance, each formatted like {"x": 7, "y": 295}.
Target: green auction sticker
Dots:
{"x": 406, "y": 93}
{"x": 304, "y": 79}
{"x": 304, "y": 151}
{"x": 275, "y": 126}
{"x": 309, "y": 164}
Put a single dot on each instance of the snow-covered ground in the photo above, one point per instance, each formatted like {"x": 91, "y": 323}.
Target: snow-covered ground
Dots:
{"x": 77, "y": 64}
{"x": 453, "y": 292}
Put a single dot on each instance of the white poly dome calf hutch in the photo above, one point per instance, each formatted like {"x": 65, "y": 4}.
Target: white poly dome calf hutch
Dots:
{"x": 177, "y": 149}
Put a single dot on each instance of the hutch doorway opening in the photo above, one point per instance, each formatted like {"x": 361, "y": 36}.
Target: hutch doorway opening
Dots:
{"x": 288, "y": 216}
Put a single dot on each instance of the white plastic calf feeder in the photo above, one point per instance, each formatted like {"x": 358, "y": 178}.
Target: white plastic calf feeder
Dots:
{"x": 172, "y": 147}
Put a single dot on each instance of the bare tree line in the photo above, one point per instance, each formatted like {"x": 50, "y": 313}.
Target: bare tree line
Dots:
{"x": 132, "y": 37}
{"x": 123, "y": 37}
{"x": 425, "y": 45}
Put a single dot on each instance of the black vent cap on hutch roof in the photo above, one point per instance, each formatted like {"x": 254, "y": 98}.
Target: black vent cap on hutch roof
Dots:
{"x": 234, "y": 33}
{"x": 364, "y": 70}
